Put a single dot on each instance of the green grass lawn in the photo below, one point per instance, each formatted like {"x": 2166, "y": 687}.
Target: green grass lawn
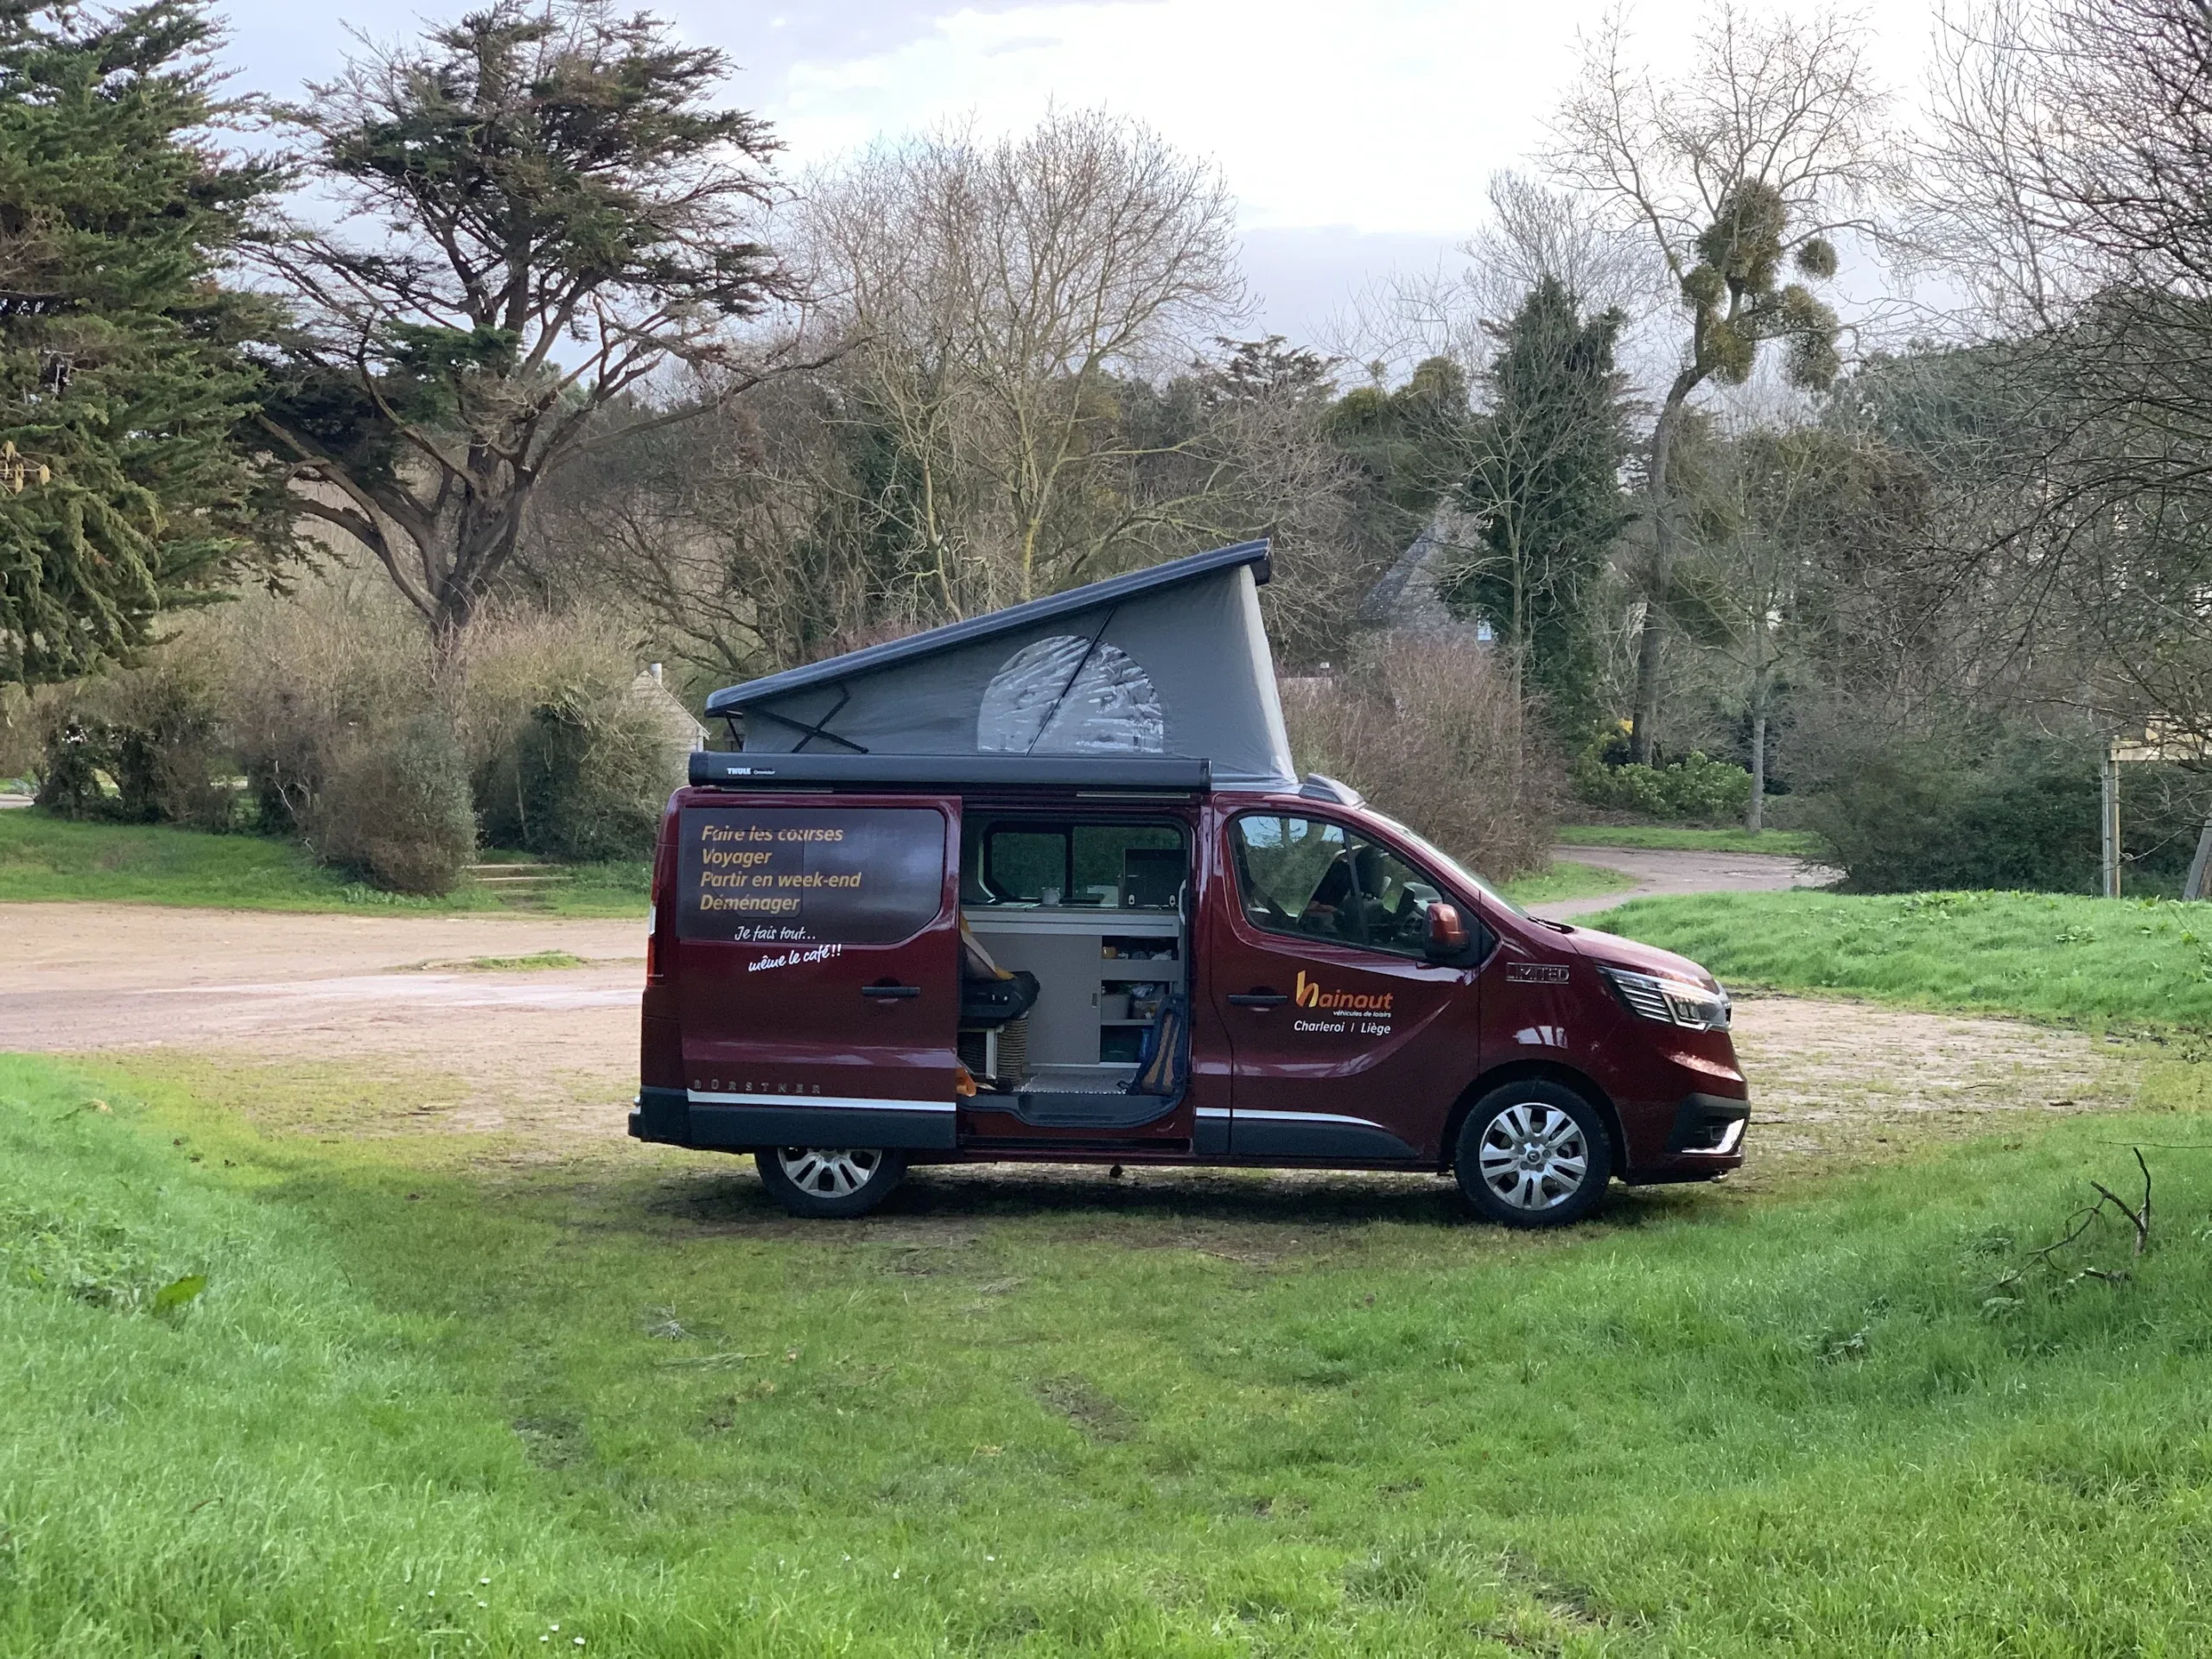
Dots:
{"x": 431, "y": 1406}
{"x": 1784, "y": 843}
{"x": 2047, "y": 956}
{"x": 46, "y": 858}
{"x": 1567, "y": 879}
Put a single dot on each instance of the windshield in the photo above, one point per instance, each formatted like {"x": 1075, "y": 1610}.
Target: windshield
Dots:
{"x": 1428, "y": 849}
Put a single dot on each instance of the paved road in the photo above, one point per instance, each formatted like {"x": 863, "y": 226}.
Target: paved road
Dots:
{"x": 1658, "y": 872}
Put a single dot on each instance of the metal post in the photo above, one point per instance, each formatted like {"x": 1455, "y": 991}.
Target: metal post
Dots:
{"x": 2111, "y": 817}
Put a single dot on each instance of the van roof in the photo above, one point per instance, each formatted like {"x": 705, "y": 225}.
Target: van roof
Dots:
{"x": 1012, "y": 620}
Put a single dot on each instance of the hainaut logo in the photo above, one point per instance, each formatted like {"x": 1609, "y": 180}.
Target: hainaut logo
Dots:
{"x": 1312, "y": 995}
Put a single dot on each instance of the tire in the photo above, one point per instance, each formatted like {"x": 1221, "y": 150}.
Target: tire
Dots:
{"x": 830, "y": 1183}
{"x": 1533, "y": 1154}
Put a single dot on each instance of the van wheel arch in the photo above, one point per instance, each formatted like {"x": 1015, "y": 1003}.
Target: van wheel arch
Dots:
{"x": 1548, "y": 1071}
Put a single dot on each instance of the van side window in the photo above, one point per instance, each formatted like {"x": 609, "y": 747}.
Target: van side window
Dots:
{"x": 1316, "y": 880}
{"x": 1108, "y": 866}
{"x": 808, "y": 875}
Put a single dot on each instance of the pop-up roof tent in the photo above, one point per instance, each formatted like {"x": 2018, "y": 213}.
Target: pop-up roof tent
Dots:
{"x": 1170, "y": 663}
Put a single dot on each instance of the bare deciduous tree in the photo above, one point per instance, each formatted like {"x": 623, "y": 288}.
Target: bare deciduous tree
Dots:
{"x": 2070, "y": 186}
{"x": 1768, "y": 146}
{"x": 995, "y": 292}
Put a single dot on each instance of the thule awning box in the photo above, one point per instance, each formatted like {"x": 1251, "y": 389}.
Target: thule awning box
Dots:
{"x": 749, "y": 769}
{"x": 1162, "y": 675}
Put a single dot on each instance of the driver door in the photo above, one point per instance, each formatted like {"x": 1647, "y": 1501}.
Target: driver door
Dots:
{"x": 1347, "y": 1044}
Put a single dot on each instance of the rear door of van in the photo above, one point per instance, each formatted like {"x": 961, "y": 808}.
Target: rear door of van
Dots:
{"x": 817, "y": 973}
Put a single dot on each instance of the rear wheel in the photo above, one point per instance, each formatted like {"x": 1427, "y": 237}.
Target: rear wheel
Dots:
{"x": 1533, "y": 1154}
{"x": 829, "y": 1182}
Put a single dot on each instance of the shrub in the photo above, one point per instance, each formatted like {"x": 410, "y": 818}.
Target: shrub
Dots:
{"x": 395, "y": 805}
{"x": 76, "y": 783}
{"x": 1962, "y": 810}
{"x": 1433, "y": 733}
{"x": 140, "y": 745}
{"x": 351, "y": 726}
{"x": 591, "y": 774}
{"x": 1695, "y": 786}
{"x": 566, "y": 760}
{"x": 307, "y": 677}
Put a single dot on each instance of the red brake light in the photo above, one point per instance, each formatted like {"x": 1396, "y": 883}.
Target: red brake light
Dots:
{"x": 663, "y": 858}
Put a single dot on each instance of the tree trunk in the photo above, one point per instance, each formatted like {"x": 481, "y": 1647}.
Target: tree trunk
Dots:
{"x": 1755, "y": 811}
{"x": 456, "y": 606}
{"x": 1644, "y": 732}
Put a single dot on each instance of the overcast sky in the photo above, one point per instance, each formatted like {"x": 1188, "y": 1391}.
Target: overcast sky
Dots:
{"x": 1356, "y": 137}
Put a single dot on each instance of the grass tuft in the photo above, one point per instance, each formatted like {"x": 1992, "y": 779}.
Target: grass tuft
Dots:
{"x": 2053, "y": 957}
{"x": 1567, "y": 877}
{"x": 1049, "y": 1415}
{"x": 537, "y": 961}
{"x": 45, "y": 859}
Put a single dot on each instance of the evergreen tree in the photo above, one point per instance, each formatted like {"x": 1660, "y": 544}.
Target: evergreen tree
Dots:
{"x": 1545, "y": 487}
{"x": 122, "y": 380}
{"x": 556, "y": 212}
{"x": 1406, "y": 449}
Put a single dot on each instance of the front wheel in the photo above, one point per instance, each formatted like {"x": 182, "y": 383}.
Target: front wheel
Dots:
{"x": 829, "y": 1182}
{"x": 1533, "y": 1154}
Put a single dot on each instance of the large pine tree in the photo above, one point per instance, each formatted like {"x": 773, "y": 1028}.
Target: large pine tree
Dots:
{"x": 122, "y": 380}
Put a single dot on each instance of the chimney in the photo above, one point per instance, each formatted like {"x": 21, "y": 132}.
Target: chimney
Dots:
{"x": 653, "y": 669}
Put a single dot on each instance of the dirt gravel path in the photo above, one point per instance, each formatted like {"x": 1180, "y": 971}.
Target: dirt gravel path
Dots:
{"x": 1657, "y": 871}
{"x": 549, "y": 1055}
{"x": 549, "y": 1048}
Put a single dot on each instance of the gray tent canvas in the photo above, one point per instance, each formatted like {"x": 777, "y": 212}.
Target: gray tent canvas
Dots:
{"x": 1169, "y": 661}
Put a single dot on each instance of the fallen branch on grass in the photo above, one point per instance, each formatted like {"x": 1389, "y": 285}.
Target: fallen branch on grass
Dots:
{"x": 2139, "y": 1217}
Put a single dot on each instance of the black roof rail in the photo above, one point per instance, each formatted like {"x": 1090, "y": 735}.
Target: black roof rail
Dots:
{"x": 1321, "y": 787}
{"x": 756, "y": 769}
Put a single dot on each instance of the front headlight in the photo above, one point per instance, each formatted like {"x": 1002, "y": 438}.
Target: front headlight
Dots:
{"x": 1670, "y": 1002}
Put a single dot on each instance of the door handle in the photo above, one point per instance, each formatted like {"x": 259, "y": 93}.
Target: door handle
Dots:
{"x": 1257, "y": 999}
{"x": 894, "y": 992}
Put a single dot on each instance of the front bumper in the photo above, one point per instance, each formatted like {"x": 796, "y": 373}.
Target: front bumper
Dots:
{"x": 1706, "y": 1140}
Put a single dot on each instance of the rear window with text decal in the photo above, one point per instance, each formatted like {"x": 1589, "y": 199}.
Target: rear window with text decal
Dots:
{"x": 801, "y": 876}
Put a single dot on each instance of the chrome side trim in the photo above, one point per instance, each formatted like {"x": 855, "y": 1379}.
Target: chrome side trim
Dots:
{"x": 1312, "y": 1117}
{"x": 828, "y": 1102}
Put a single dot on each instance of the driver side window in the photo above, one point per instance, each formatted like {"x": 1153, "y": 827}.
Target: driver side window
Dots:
{"x": 1314, "y": 879}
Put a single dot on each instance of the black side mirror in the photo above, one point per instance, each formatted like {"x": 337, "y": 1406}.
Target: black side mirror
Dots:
{"x": 1444, "y": 931}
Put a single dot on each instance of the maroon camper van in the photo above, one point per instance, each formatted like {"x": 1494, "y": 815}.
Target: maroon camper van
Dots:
{"x": 1040, "y": 887}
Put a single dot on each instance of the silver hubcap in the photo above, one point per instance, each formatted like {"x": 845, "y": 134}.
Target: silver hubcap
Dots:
{"x": 1534, "y": 1156}
{"x": 828, "y": 1172}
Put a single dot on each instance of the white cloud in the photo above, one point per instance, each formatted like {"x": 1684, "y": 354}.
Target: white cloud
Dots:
{"x": 1384, "y": 116}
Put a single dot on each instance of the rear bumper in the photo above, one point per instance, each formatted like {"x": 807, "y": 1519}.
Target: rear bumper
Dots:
{"x": 680, "y": 1117}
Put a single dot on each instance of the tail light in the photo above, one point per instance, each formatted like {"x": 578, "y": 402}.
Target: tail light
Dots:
{"x": 664, "y": 874}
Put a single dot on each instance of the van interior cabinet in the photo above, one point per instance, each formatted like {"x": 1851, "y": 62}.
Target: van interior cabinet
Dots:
{"x": 1082, "y": 1016}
